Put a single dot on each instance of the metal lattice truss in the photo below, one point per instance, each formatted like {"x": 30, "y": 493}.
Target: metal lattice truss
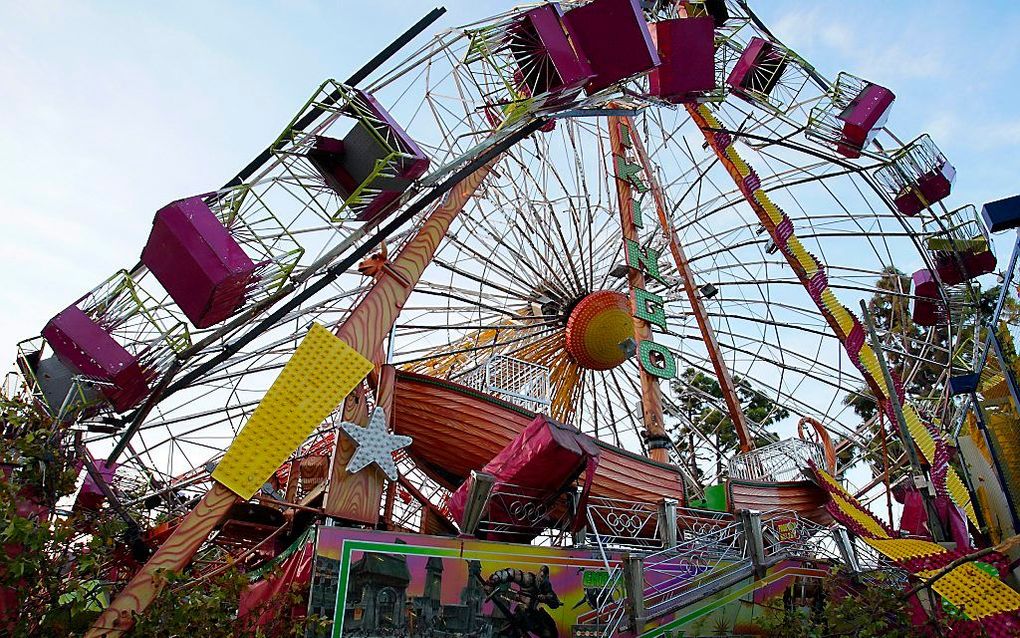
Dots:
{"x": 543, "y": 232}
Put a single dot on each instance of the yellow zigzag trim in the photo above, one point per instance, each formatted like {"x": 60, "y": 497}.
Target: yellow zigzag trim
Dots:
{"x": 709, "y": 117}
{"x": 870, "y": 362}
{"x": 774, "y": 212}
{"x": 955, "y": 486}
{"x": 738, "y": 163}
{"x": 959, "y": 493}
{"x": 861, "y": 517}
{"x": 843, "y": 501}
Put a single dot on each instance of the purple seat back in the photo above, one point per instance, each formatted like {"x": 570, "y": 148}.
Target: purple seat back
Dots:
{"x": 613, "y": 35}
{"x": 932, "y": 187}
{"x": 348, "y": 163}
{"x": 760, "y": 68}
{"x": 975, "y": 264}
{"x": 936, "y": 185}
{"x": 865, "y": 114}
{"x": 543, "y": 459}
{"x": 547, "y": 62}
{"x": 198, "y": 262}
{"x": 687, "y": 50}
{"x": 85, "y": 346}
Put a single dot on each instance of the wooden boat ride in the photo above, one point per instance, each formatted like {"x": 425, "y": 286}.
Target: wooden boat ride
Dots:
{"x": 773, "y": 478}
{"x": 803, "y": 497}
{"x": 456, "y": 429}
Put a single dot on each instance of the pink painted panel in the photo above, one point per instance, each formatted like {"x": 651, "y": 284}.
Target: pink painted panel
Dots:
{"x": 613, "y": 35}
{"x": 89, "y": 349}
{"x": 544, "y": 458}
{"x": 547, "y": 61}
{"x": 687, "y": 50}
{"x": 198, "y": 262}
{"x": 863, "y": 117}
{"x": 925, "y": 304}
{"x": 934, "y": 186}
{"x": 760, "y": 67}
{"x": 974, "y": 265}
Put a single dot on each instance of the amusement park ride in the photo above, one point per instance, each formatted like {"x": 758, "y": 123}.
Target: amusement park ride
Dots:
{"x": 444, "y": 330}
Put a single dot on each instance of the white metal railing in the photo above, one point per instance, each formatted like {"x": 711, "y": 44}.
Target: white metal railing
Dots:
{"x": 909, "y": 165}
{"x": 514, "y": 510}
{"x": 609, "y": 607}
{"x": 958, "y": 231}
{"x": 782, "y": 461}
{"x": 785, "y": 533}
{"x": 713, "y": 550}
{"x": 876, "y": 568}
{"x": 692, "y": 523}
{"x": 694, "y": 565}
{"x": 616, "y": 522}
{"x": 515, "y": 380}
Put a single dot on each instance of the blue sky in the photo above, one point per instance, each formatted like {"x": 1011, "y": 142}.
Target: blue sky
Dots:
{"x": 112, "y": 109}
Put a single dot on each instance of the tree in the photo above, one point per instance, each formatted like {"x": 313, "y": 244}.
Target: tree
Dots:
{"x": 696, "y": 395}
{"x": 56, "y": 567}
{"x": 876, "y": 610}
{"x": 889, "y": 308}
{"x": 54, "y": 595}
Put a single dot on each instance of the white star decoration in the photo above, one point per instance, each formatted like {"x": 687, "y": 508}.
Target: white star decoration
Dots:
{"x": 375, "y": 444}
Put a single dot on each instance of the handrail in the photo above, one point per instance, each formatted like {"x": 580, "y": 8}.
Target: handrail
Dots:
{"x": 778, "y": 462}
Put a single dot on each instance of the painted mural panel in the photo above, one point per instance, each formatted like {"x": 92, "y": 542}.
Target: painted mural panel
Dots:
{"x": 391, "y": 584}
{"x": 377, "y": 584}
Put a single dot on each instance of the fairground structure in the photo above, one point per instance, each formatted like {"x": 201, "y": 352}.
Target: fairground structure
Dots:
{"x": 607, "y": 318}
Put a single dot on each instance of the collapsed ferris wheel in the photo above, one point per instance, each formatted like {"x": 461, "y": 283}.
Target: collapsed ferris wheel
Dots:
{"x": 588, "y": 236}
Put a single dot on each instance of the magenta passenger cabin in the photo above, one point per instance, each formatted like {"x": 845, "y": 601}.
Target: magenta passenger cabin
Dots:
{"x": 546, "y": 60}
{"x": 687, "y": 50}
{"x": 198, "y": 262}
{"x": 974, "y": 264}
{"x": 926, "y": 298}
{"x": 91, "y": 496}
{"x": 349, "y": 163}
{"x": 759, "y": 68}
{"x": 613, "y": 35}
{"x": 85, "y": 346}
{"x": 544, "y": 458}
{"x": 863, "y": 117}
{"x": 932, "y": 187}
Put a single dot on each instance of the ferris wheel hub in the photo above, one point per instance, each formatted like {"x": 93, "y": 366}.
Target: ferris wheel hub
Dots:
{"x": 597, "y": 328}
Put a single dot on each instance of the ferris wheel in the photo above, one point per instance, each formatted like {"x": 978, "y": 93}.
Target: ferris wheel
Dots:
{"x": 528, "y": 297}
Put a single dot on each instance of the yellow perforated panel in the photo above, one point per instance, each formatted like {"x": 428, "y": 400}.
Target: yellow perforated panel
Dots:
{"x": 738, "y": 163}
{"x": 322, "y": 371}
{"x": 900, "y": 549}
{"x": 860, "y": 516}
{"x": 975, "y": 592}
{"x": 774, "y": 213}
